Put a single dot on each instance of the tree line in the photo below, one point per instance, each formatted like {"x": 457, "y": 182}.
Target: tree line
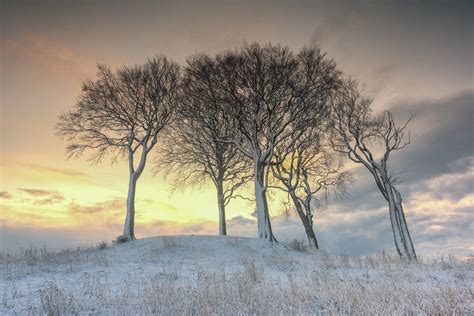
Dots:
{"x": 259, "y": 115}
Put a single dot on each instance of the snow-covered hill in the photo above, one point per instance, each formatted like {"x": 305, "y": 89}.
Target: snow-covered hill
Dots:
{"x": 227, "y": 275}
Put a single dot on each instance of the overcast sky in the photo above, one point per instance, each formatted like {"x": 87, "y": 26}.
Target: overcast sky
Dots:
{"x": 414, "y": 57}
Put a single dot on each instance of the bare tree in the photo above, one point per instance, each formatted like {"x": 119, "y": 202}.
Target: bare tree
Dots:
{"x": 121, "y": 114}
{"x": 263, "y": 90}
{"x": 308, "y": 170}
{"x": 191, "y": 151}
{"x": 356, "y": 131}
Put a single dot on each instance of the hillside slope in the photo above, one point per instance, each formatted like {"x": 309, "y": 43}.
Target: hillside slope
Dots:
{"x": 226, "y": 275}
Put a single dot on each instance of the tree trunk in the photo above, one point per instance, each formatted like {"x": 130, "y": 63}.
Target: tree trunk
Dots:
{"x": 404, "y": 227}
{"x": 221, "y": 208}
{"x": 129, "y": 228}
{"x": 306, "y": 222}
{"x": 394, "y": 219}
{"x": 263, "y": 216}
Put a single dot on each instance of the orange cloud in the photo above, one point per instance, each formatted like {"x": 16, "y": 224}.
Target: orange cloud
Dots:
{"x": 42, "y": 51}
{"x": 43, "y": 197}
{"x": 5, "y": 195}
{"x": 37, "y": 192}
{"x": 110, "y": 206}
{"x": 57, "y": 171}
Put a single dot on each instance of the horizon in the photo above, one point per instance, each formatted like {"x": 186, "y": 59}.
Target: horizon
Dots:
{"x": 412, "y": 59}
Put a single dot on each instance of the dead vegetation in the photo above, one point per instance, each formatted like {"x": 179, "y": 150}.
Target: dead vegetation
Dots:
{"x": 100, "y": 280}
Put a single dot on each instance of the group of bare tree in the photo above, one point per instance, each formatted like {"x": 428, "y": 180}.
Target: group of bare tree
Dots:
{"x": 257, "y": 113}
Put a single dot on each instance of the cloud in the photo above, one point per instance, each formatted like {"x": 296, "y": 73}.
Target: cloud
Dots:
{"x": 42, "y": 51}
{"x": 443, "y": 135}
{"x": 58, "y": 171}
{"x": 43, "y": 197}
{"x": 50, "y": 200}
{"x": 37, "y": 192}
{"x": 380, "y": 77}
{"x": 441, "y": 145}
{"x": 114, "y": 205}
{"x": 437, "y": 189}
{"x": 454, "y": 185}
{"x": 240, "y": 220}
{"x": 439, "y": 223}
{"x": 168, "y": 227}
{"x": 5, "y": 195}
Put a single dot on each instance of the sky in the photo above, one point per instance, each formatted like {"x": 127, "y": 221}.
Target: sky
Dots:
{"x": 413, "y": 58}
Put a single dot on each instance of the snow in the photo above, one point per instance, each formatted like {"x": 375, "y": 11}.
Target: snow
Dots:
{"x": 227, "y": 275}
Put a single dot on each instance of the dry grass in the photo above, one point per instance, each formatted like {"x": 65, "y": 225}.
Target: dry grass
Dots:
{"x": 250, "y": 294}
{"x": 282, "y": 283}
{"x": 27, "y": 261}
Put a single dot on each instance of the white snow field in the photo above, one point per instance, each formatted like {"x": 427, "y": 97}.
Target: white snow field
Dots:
{"x": 211, "y": 275}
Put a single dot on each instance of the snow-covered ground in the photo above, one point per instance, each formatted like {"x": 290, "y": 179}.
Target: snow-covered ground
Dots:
{"x": 178, "y": 275}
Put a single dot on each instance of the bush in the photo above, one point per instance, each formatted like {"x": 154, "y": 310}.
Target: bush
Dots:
{"x": 120, "y": 239}
{"x": 298, "y": 245}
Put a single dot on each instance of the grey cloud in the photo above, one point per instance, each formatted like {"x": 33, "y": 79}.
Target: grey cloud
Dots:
{"x": 441, "y": 234}
{"x": 444, "y": 145}
{"x": 446, "y": 135}
{"x": 240, "y": 220}
{"x": 454, "y": 186}
{"x": 365, "y": 233}
{"x": 439, "y": 163}
{"x": 363, "y": 195}
{"x": 11, "y": 238}
{"x": 159, "y": 227}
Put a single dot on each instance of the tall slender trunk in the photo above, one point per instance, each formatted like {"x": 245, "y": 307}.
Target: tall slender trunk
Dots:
{"x": 221, "y": 208}
{"x": 401, "y": 235}
{"x": 263, "y": 216}
{"x": 404, "y": 227}
{"x": 308, "y": 227}
{"x": 129, "y": 228}
{"x": 394, "y": 219}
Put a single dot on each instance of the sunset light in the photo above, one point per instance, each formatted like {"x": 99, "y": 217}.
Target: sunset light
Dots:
{"x": 339, "y": 129}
